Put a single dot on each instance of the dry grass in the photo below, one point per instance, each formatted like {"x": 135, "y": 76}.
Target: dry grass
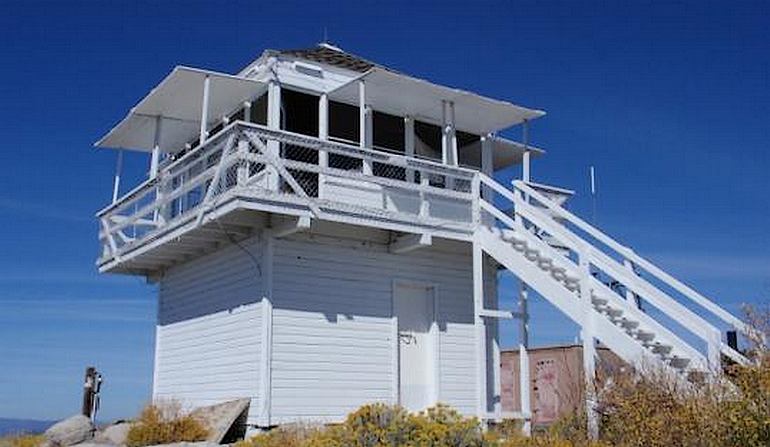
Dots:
{"x": 22, "y": 440}
{"x": 165, "y": 423}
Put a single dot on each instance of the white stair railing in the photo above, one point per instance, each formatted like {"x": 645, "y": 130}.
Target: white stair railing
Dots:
{"x": 532, "y": 210}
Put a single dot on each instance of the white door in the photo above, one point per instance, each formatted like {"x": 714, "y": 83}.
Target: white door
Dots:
{"x": 413, "y": 308}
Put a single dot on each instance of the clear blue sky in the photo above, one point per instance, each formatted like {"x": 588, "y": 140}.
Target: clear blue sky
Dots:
{"x": 671, "y": 103}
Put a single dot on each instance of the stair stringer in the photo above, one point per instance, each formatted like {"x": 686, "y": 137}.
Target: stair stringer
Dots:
{"x": 614, "y": 338}
{"x": 662, "y": 334}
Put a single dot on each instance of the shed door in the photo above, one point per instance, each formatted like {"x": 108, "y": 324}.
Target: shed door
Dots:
{"x": 413, "y": 308}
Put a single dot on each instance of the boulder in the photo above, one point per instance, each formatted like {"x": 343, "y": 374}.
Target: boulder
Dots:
{"x": 225, "y": 421}
{"x": 114, "y": 434}
{"x": 70, "y": 431}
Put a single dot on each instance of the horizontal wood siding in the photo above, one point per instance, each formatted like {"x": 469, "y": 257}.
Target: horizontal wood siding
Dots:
{"x": 209, "y": 329}
{"x": 332, "y": 329}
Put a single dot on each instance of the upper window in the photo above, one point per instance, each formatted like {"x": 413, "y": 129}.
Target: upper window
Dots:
{"x": 299, "y": 112}
{"x": 427, "y": 140}
{"x": 388, "y": 132}
{"x": 343, "y": 122}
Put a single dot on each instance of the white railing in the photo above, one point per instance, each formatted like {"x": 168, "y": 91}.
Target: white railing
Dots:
{"x": 613, "y": 262}
{"x": 253, "y": 162}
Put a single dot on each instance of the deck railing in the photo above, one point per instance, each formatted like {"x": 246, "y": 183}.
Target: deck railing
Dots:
{"x": 252, "y": 162}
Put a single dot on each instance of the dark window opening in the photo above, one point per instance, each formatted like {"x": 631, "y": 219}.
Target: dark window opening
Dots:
{"x": 258, "y": 113}
{"x": 468, "y": 150}
{"x": 299, "y": 113}
{"x": 427, "y": 141}
{"x": 388, "y": 132}
{"x": 344, "y": 122}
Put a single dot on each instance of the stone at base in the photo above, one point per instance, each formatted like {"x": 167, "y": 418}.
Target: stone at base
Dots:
{"x": 70, "y": 431}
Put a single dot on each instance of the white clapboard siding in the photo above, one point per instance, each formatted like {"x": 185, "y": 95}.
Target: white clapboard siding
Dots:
{"x": 209, "y": 329}
{"x": 332, "y": 345}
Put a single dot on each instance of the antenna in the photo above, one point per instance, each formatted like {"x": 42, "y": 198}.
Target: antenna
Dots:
{"x": 592, "y": 173}
{"x": 326, "y": 35}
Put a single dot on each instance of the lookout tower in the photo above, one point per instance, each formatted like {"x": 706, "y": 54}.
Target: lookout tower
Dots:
{"x": 327, "y": 232}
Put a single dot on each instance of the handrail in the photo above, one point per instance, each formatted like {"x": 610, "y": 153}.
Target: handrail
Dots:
{"x": 636, "y": 259}
{"x": 165, "y": 170}
{"x": 410, "y": 162}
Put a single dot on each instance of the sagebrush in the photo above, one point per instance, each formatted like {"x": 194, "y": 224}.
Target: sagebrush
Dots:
{"x": 164, "y": 423}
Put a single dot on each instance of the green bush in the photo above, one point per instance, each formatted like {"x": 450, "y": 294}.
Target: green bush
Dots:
{"x": 163, "y": 424}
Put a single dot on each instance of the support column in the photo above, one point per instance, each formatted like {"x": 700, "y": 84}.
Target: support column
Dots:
{"x": 409, "y": 144}
{"x": 273, "y": 122}
{"x": 323, "y": 134}
{"x": 481, "y": 350}
{"x": 497, "y": 389}
{"x": 487, "y": 157}
{"x": 247, "y": 111}
{"x": 155, "y": 156}
{"x": 266, "y": 352}
{"x": 448, "y": 135}
{"x": 118, "y": 173}
{"x": 526, "y": 157}
{"x": 588, "y": 335}
{"x": 205, "y": 110}
{"x": 524, "y": 377}
{"x": 364, "y": 125}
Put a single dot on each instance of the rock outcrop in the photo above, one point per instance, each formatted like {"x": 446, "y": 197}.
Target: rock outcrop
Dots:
{"x": 70, "y": 431}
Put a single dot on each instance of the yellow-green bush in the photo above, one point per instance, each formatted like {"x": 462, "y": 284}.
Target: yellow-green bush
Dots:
{"x": 378, "y": 425}
{"x": 165, "y": 423}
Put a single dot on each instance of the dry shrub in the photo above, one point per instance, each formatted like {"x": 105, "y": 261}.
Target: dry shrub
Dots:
{"x": 164, "y": 423}
{"x": 652, "y": 408}
{"x": 22, "y": 441}
{"x": 378, "y": 425}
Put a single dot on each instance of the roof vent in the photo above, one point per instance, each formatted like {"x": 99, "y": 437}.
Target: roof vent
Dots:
{"x": 329, "y": 46}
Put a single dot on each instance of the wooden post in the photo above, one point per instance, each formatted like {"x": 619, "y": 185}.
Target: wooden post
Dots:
{"x": 89, "y": 384}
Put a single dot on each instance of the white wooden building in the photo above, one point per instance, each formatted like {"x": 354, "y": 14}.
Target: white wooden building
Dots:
{"x": 327, "y": 232}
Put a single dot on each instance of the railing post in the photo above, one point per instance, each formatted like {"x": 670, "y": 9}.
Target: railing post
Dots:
{"x": 243, "y": 164}
{"x": 476, "y": 199}
{"x": 424, "y": 203}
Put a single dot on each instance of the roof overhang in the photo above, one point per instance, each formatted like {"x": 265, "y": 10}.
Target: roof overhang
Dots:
{"x": 403, "y": 95}
{"x": 505, "y": 153}
{"x": 176, "y": 103}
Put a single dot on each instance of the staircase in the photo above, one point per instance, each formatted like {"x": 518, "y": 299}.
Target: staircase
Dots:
{"x": 597, "y": 282}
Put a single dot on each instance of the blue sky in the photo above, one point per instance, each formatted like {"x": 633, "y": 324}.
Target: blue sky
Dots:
{"x": 669, "y": 100}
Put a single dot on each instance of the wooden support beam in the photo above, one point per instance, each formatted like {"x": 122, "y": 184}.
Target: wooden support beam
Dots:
{"x": 410, "y": 242}
{"x": 292, "y": 226}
